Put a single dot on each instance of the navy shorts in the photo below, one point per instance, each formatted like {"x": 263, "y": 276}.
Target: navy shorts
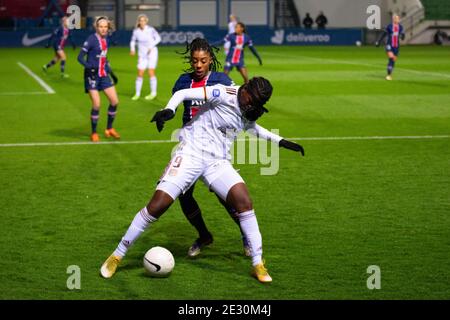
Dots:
{"x": 395, "y": 51}
{"x": 57, "y": 47}
{"x": 96, "y": 82}
{"x": 229, "y": 66}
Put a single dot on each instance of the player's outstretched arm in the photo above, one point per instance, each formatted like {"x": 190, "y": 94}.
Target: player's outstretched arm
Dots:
{"x": 168, "y": 112}
{"x": 383, "y": 35}
{"x": 133, "y": 43}
{"x": 161, "y": 117}
{"x": 81, "y": 59}
{"x": 255, "y": 53}
{"x": 72, "y": 41}
{"x": 111, "y": 72}
{"x": 265, "y": 134}
{"x": 50, "y": 40}
{"x": 292, "y": 146}
{"x": 262, "y": 133}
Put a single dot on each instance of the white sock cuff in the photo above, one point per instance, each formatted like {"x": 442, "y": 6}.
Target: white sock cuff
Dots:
{"x": 243, "y": 216}
{"x": 147, "y": 216}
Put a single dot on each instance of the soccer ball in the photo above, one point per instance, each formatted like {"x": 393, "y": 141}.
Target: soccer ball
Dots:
{"x": 159, "y": 262}
{"x": 358, "y": 43}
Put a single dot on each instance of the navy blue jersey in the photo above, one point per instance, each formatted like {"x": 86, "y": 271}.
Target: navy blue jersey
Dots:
{"x": 394, "y": 31}
{"x": 186, "y": 81}
{"x": 96, "y": 48}
{"x": 237, "y": 45}
{"x": 59, "y": 37}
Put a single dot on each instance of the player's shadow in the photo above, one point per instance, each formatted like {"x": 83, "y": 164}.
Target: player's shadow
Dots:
{"x": 78, "y": 132}
{"x": 426, "y": 83}
{"x": 412, "y": 82}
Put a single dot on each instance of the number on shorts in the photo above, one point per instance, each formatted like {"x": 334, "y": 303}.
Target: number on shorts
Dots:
{"x": 177, "y": 162}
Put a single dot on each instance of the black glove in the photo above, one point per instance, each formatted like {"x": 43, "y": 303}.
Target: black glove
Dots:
{"x": 47, "y": 46}
{"x": 162, "y": 116}
{"x": 114, "y": 77}
{"x": 292, "y": 146}
{"x": 377, "y": 44}
{"x": 91, "y": 73}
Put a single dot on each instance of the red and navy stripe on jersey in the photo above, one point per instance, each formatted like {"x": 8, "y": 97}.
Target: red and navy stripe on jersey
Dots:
{"x": 394, "y": 32}
{"x": 59, "y": 38}
{"x": 237, "y": 44}
{"x": 186, "y": 81}
{"x": 96, "y": 49}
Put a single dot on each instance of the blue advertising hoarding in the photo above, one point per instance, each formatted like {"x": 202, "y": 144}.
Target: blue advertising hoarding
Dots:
{"x": 260, "y": 36}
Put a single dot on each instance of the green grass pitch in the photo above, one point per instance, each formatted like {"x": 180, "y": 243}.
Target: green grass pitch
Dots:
{"x": 325, "y": 218}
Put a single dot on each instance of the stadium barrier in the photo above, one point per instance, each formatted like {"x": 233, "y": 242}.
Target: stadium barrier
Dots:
{"x": 259, "y": 35}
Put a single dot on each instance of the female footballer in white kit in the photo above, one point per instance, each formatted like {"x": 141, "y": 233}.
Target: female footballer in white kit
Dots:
{"x": 204, "y": 153}
{"x": 147, "y": 39}
{"x": 231, "y": 30}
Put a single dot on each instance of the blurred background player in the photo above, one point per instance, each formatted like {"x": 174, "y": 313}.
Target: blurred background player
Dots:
{"x": 231, "y": 30}
{"x": 394, "y": 32}
{"x": 96, "y": 76}
{"x": 235, "y": 57}
{"x": 147, "y": 39}
{"x": 58, "y": 40}
{"x": 202, "y": 72}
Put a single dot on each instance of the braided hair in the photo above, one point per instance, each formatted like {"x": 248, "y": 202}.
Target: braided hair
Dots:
{"x": 199, "y": 44}
{"x": 260, "y": 91}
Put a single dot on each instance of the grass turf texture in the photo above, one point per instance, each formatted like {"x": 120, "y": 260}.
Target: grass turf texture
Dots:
{"x": 324, "y": 218}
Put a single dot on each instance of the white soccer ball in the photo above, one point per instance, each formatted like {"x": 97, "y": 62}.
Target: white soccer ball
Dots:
{"x": 358, "y": 43}
{"x": 159, "y": 262}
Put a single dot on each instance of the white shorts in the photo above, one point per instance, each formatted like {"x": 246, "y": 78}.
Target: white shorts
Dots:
{"x": 184, "y": 170}
{"x": 148, "y": 61}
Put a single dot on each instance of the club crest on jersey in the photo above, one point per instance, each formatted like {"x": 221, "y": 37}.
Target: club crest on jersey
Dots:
{"x": 216, "y": 93}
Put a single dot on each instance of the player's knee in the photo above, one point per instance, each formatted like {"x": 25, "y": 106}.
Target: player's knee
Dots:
{"x": 160, "y": 202}
{"x": 244, "y": 204}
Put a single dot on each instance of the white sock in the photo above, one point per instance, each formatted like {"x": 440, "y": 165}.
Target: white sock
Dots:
{"x": 139, "y": 81}
{"x": 249, "y": 226}
{"x": 153, "y": 84}
{"x": 140, "y": 222}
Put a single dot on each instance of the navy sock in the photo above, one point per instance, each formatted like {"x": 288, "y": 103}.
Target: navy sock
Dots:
{"x": 63, "y": 66}
{"x": 112, "y": 110}
{"x": 52, "y": 62}
{"x": 390, "y": 66}
{"x": 94, "y": 119}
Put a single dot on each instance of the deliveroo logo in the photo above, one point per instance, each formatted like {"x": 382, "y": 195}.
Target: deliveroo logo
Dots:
{"x": 278, "y": 38}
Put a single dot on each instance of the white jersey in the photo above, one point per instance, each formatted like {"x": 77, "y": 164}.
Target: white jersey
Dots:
{"x": 214, "y": 128}
{"x": 232, "y": 27}
{"x": 146, "y": 39}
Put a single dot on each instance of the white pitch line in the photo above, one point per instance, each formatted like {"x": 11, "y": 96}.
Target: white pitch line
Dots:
{"x": 21, "y": 93}
{"x": 35, "y": 77}
{"x": 88, "y": 143}
{"x": 444, "y": 136}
